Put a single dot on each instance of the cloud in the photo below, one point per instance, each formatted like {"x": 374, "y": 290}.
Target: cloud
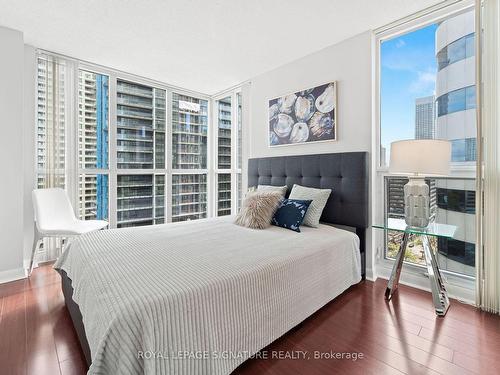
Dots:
{"x": 410, "y": 60}
{"x": 400, "y": 43}
{"x": 424, "y": 82}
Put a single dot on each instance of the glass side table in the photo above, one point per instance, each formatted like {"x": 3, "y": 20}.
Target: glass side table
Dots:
{"x": 439, "y": 294}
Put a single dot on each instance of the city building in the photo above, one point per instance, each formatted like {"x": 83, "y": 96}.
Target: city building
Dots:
{"x": 51, "y": 122}
{"x": 424, "y": 117}
{"x": 93, "y": 141}
{"x": 456, "y": 122}
{"x": 224, "y": 156}
{"x": 455, "y": 87}
{"x": 189, "y": 152}
{"x": 140, "y": 200}
{"x": 140, "y": 126}
{"x": 141, "y": 118}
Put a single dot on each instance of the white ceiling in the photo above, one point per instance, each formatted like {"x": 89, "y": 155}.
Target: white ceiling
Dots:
{"x": 201, "y": 45}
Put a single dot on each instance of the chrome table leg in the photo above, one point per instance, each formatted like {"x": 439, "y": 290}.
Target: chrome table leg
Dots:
{"x": 439, "y": 294}
{"x": 392, "y": 285}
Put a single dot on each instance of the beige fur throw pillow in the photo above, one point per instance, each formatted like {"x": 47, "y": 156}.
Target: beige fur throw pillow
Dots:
{"x": 258, "y": 209}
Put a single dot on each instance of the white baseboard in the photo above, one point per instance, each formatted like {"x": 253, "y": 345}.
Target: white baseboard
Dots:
{"x": 457, "y": 288}
{"x": 41, "y": 257}
{"x": 370, "y": 275}
{"x": 12, "y": 275}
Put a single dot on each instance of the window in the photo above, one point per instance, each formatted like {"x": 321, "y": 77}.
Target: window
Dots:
{"x": 189, "y": 152}
{"x": 140, "y": 200}
{"x": 140, "y": 146}
{"x": 189, "y": 197}
{"x": 457, "y": 100}
{"x": 93, "y": 145}
{"x": 140, "y": 126}
{"x": 189, "y": 132}
{"x": 93, "y": 196}
{"x": 460, "y": 253}
{"x": 224, "y": 133}
{"x": 223, "y": 194}
{"x": 239, "y": 150}
{"x": 224, "y": 155}
{"x": 422, "y": 97}
{"x": 51, "y": 122}
{"x": 463, "y": 150}
{"x": 93, "y": 120}
{"x": 458, "y": 50}
{"x": 463, "y": 201}
{"x": 142, "y": 155}
{"x": 228, "y": 146}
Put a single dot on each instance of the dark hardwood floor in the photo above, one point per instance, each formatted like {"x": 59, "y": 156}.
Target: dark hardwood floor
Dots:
{"x": 401, "y": 336}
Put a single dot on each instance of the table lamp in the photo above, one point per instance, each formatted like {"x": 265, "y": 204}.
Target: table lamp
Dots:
{"x": 417, "y": 159}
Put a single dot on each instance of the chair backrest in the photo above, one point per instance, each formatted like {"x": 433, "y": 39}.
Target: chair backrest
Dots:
{"x": 52, "y": 208}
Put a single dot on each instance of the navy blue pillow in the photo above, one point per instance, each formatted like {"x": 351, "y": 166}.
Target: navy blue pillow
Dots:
{"x": 290, "y": 214}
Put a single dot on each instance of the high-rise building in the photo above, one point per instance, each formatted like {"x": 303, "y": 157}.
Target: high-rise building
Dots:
{"x": 456, "y": 87}
{"x": 224, "y": 156}
{"x": 51, "y": 123}
{"x": 189, "y": 151}
{"x": 239, "y": 159}
{"x": 140, "y": 199}
{"x": 224, "y": 134}
{"x": 425, "y": 117}
{"x": 93, "y": 124}
{"x": 140, "y": 156}
{"x": 140, "y": 144}
{"x": 140, "y": 126}
{"x": 189, "y": 197}
{"x": 456, "y": 121}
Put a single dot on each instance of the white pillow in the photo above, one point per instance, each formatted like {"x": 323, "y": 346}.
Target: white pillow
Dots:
{"x": 281, "y": 189}
{"x": 319, "y": 198}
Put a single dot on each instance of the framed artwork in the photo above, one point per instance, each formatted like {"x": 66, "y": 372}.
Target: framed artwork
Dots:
{"x": 304, "y": 117}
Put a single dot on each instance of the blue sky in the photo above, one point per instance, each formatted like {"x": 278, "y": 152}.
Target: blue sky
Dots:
{"x": 408, "y": 71}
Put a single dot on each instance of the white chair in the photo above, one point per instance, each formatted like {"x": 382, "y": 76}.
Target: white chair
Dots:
{"x": 54, "y": 217}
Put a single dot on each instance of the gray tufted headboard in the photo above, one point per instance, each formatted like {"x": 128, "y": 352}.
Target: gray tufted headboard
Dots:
{"x": 345, "y": 173}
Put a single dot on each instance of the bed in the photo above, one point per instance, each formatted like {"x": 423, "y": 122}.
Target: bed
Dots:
{"x": 200, "y": 297}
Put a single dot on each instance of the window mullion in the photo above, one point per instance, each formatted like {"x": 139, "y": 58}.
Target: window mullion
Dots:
{"x": 212, "y": 147}
{"x": 234, "y": 152}
{"x": 168, "y": 158}
{"x": 112, "y": 159}
{"x": 72, "y": 162}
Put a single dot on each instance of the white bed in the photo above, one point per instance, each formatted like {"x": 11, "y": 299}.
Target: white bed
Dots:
{"x": 201, "y": 288}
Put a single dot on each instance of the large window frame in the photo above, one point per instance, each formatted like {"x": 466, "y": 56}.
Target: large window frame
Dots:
{"x": 235, "y": 170}
{"x": 74, "y": 169}
{"x": 460, "y": 286}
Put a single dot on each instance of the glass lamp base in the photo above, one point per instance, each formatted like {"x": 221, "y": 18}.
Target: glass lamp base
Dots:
{"x": 417, "y": 203}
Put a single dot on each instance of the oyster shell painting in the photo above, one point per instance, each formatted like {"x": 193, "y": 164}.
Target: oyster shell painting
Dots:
{"x": 305, "y": 116}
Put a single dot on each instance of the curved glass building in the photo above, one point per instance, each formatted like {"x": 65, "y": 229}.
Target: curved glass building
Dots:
{"x": 456, "y": 122}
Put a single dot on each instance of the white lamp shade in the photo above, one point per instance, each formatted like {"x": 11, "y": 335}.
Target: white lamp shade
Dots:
{"x": 421, "y": 157}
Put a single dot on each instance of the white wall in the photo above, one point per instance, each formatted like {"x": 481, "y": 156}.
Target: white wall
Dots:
{"x": 29, "y": 120}
{"x": 350, "y": 64}
{"x": 11, "y": 154}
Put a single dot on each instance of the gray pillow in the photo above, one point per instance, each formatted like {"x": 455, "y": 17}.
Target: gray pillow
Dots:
{"x": 319, "y": 198}
{"x": 258, "y": 209}
{"x": 281, "y": 189}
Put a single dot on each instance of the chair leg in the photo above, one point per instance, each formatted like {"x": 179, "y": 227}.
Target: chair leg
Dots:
{"x": 65, "y": 244}
{"x": 36, "y": 244}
